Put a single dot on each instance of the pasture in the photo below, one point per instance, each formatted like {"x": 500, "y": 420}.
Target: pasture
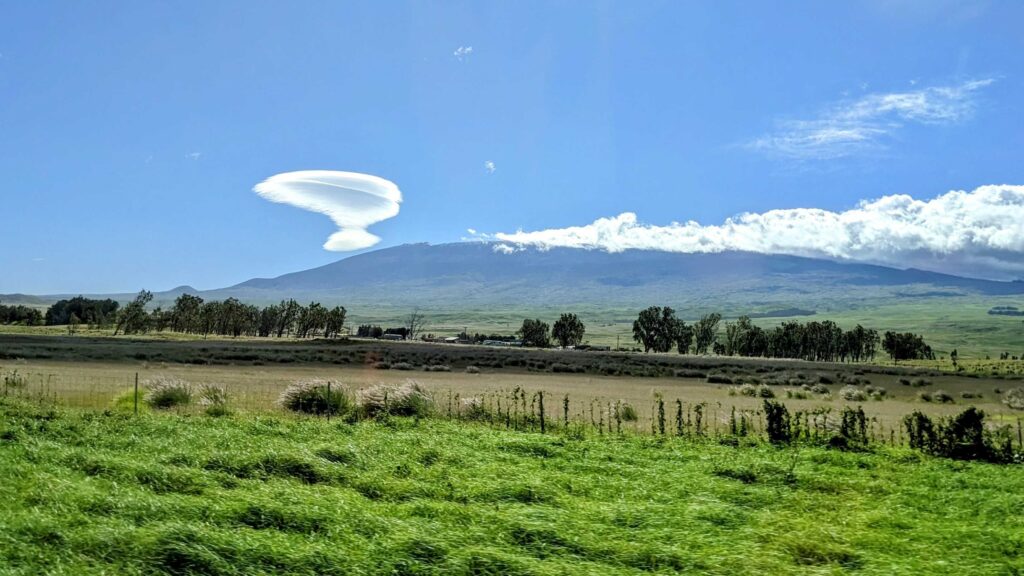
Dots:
{"x": 87, "y": 492}
{"x": 94, "y": 372}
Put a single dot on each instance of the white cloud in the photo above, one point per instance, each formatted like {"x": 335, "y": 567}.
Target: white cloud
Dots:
{"x": 463, "y": 52}
{"x": 489, "y": 166}
{"x": 353, "y": 201}
{"x": 980, "y": 232}
{"x": 859, "y": 125}
{"x": 194, "y": 155}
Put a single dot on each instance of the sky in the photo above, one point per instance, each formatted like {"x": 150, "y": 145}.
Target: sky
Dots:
{"x": 155, "y": 144}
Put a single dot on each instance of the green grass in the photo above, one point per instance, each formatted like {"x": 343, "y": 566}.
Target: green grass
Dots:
{"x": 88, "y": 493}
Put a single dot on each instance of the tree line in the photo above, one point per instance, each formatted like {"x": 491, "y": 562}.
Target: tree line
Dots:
{"x": 192, "y": 315}
{"x": 19, "y": 314}
{"x": 658, "y": 329}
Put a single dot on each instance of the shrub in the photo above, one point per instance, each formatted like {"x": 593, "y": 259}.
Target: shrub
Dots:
{"x": 920, "y": 382}
{"x": 438, "y": 368}
{"x": 472, "y": 370}
{"x": 970, "y": 395}
{"x": 381, "y": 365}
{"x": 942, "y": 397}
{"x": 14, "y": 380}
{"x": 409, "y": 399}
{"x": 825, "y": 380}
{"x": 214, "y": 399}
{"x": 311, "y": 397}
{"x": 473, "y": 409}
{"x": 875, "y": 392}
{"x": 401, "y": 366}
{"x": 747, "y": 390}
{"x": 924, "y": 396}
{"x": 168, "y": 393}
{"x": 904, "y": 382}
{"x": 719, "y": 379}
{"x": 1014, "y": 398}
{"x": 853, "y": 394}
{"x": 819, "y": 389}
{"x": 627, "y": 413}
{"x": 685, "y": 373}
{"x": 776, "y": 422}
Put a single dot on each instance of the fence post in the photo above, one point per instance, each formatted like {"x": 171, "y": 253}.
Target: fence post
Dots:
{"x": 329, "y": 405}
{"x": 136, "y": 393}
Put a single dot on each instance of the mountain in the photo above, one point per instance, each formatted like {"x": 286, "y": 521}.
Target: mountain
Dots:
{"x": 482, "y": 277}
{"x": 479, "y": 275}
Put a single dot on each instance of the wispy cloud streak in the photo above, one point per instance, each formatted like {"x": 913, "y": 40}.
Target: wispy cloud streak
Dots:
{"x": 859, "y": 125}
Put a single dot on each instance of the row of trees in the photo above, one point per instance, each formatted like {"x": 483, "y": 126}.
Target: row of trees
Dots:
{"x": 79, "y": 309}
{"x": 19, "y": 314}
{"x": 567, "y": 331}
{"x": 192, "y": 315}
{"x": 658, "y": 329}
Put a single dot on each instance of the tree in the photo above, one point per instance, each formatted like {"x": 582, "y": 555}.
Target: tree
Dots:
{"x": 73, "y": 323}
{"x": 133, "y": 318}
{"x": 534, "y": 333}
{"x": 705, "y": 331}
{"x": 335, "y": 322}
{"x": 415, "y": 323}
{"x": 657, "y": 329}
{"x": 185, "y": 313}
{"x": 568, "y": 330}
{"x": 906, "y": 346}
{"x": 684, "y": 337}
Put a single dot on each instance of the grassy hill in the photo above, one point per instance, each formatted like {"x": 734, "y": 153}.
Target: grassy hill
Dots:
{"x": 90, "y": 493}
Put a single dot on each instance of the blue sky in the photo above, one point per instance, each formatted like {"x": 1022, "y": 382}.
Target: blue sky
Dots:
{"x": 132, "y": 134}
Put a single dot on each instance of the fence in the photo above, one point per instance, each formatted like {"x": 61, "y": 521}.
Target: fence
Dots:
{"x": 515, "y": 408}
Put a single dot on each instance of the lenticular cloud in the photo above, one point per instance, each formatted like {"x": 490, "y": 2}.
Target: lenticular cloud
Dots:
{"x": 980, "y": 232}
{"x": 354, "y": 201}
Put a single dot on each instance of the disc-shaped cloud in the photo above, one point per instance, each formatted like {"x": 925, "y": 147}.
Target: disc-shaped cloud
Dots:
{"x": 354, "y": 201}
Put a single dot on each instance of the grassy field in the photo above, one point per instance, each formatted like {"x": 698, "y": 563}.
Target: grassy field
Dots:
{"x": 84, "y": 493}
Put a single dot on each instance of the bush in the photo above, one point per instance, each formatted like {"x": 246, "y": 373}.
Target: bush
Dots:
{"x": 311, "y": 397}
{"x": 970, "y": 395}
{"x": 825, "y": 380}
{"x": 409, "y": 399}
{"x": 473, "y": 409}
{"x": 942, "y": 397}
{"x": 381, "y": 365}
{"x": 819, "y": 389}
{"x": 401, "y": 366}
{"x": 167, "y": 393}
{"x": 1014, "y": 398}
{"x": 920, "y": 382}
{"x": 438, "y": 368}
{"x": 719, "y": 379}
{"x": 875, "y": 392}
{"x": 853, "y": 394}
{"x": 685, "y": 373}
{"x": 627, "y": 413}
{"x": 472, "y": 370}
{"x": 214, "y": 399}
{"x": 14, "y": 380}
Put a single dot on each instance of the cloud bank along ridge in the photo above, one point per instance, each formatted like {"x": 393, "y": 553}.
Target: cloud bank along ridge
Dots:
{"x": 980, "y": 232}
{"x": 352, "y": 200}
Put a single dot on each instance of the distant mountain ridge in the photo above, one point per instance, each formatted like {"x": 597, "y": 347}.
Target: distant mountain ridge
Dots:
{"x": 474, "y": 274}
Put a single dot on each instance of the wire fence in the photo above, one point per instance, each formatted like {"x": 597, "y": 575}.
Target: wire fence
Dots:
{"x": 514, "y": 408}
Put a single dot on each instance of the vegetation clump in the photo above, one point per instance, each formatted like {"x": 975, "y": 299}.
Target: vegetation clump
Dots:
{"x": 214, "y": 399}
{"x": 168, "y": 393}
{"x": 1014, "y": 398}
{"x": 853, "y": 394}
{"x": 408, "y": 399}
{"x": 315, "y": 396}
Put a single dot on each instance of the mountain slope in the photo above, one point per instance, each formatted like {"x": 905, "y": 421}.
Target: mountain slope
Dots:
{"x": 476, "y": 275}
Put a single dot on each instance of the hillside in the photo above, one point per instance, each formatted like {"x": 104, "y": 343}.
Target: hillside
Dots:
{"x": 475, "y": 275}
